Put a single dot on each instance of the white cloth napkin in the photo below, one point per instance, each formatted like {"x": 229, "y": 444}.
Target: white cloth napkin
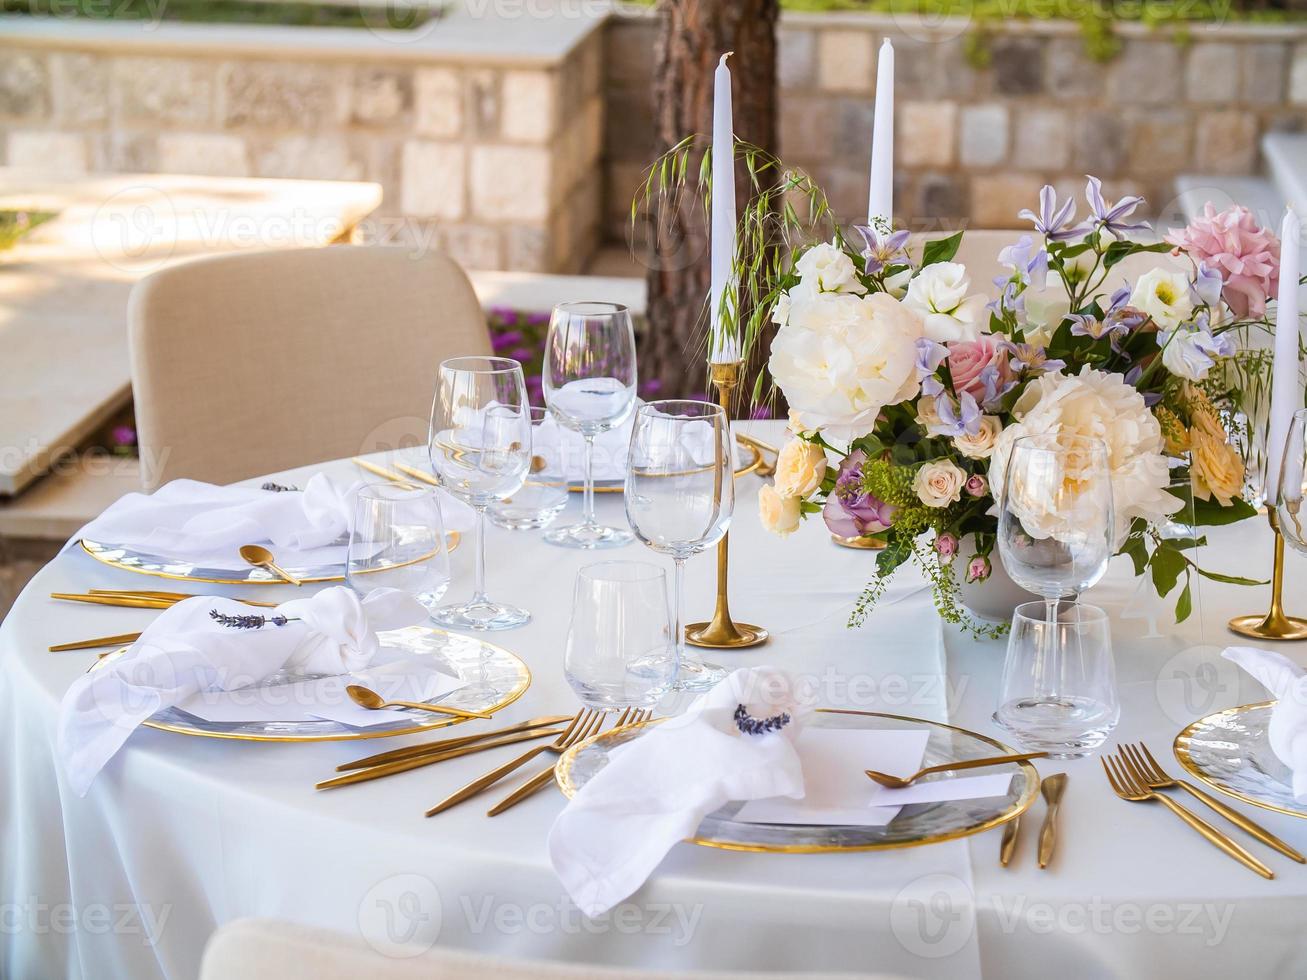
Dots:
{"x": 655, "y": 790}
{"x": 566, "y": 448}
{"x": 206, "y": 524}
{"x": 1288, "y": 729}
{"x": 185, "y": 651}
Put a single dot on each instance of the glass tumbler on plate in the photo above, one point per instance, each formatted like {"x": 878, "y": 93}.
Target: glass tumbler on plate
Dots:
{"x": 544, "y": 494}
{"x": 619, "y": 650}
{"x": 397, "y": 541}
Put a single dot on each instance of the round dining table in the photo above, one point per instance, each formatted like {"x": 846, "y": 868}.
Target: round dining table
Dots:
{"x": 180, "y": 834}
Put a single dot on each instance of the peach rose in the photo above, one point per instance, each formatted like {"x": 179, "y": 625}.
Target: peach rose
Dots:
{"x": 1216, "y": 469}
{"x": 800, "y": 468}
{"x": 940, "y": 483}
{"x": 779, "y": 514}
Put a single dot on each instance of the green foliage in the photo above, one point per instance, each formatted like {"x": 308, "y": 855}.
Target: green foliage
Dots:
{"x": 941, "y": 249}
{"x": 15, "y": 224}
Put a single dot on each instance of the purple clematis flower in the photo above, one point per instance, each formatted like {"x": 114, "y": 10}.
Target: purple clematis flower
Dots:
{"x": 1052, "y": 221}
{"x": 1032, "y": 357}
{"x": 1110, "y": 216}
{"x": 850, "y": 511}
{"x": 880, "y": 250}
{"x": 1029, "y": 263}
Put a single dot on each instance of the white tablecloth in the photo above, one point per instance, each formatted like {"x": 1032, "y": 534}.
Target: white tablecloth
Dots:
{"x": 180, "y": 835}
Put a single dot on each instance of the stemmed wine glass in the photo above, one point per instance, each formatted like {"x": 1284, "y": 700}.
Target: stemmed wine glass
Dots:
{"x": 680, "y": 497}
{"x": 1293, "y": 484}
{"x": 589, "y": 384}
{"x": 480, "y": 444}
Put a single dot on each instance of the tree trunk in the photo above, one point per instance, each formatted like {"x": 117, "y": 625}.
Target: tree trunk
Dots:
{"x": 693, "y": 35}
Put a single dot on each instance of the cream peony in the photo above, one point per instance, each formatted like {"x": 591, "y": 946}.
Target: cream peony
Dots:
{"x": 825, "y": 268}
{"x": 779, "y": 514}
{"x": 1102, "y": 406}
{"x": 940, "y": 483}
{"x": 800, "y": 467}
{"x": 981, "y": 445}
{"x": 1164, "y": 296}
{"x": 939, "y": 293}
{"x": 840, "y": 359}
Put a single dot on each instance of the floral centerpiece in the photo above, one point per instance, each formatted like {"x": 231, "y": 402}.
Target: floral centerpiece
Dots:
{"x": 908, "y": 385}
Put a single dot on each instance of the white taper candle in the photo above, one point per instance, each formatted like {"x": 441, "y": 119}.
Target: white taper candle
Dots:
{"x": 1286, "y": 393}
{"x": 723, "y": 340}
{"x": 880, "y": 202}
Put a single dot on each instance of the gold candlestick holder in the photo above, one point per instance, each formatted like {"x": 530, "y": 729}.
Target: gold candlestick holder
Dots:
{"x": 1275, "y": 625}
{"x": 722, "y": 632}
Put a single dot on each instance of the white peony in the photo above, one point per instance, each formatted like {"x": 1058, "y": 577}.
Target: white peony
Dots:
{"x": 841, "y": 358}
{"x": 939, "y": 293}
{"x": 1164, "y": 296}
{"x": 825, "y": 268}
{"x": 1101, "y": 406}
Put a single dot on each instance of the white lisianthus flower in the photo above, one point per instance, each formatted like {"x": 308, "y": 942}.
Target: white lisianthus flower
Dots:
{"x": 897, "y": 284}
{"x": 1045, "y": 310}
{"x": 825, "y": 268}
{"x": 800, "y": 468}
{"x": 1101, "y": 406}
{"x": 1164, "y": 296}
{"x": 842, "y": 358}
{"x": 779, "y": 514}
{"x": 939, "y": 483}
{"x": 939, "y": 293}
{"x": 981, "y": 445}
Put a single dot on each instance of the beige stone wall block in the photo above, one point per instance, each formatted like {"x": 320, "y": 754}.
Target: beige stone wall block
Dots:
{"x": 1147, "y": 72}
{"x": 527, "y": 249}
{"x": 80, "y": 84}
{"x": 278, "y": 95}
{"x": 996, "y": 199}
{"x": 510, "y": 183}
{"x": 528, "y": 105}
{"x": 1227, "y": 142}
{"x": 381, "y": 96}
{"x": 211, "y": 154}
{"x": 47, "y": 151}
{"x": 24, "y": 85}
{"x": 1159, "y": 142}
{"x": 167, "y": 91}
{"x": 925, "y": 133}
{"x": 481, "y": 108}
{"x": 1212, "y": 73}
{"x": 846, "y": 60}
{"x": 1298, "y": 76}
{"x": 433, "y": 179}
{"x": 438, "y": 102}
{"x": 984, "y": 135}
{"x": 328, "y": 156}
{"x": 474, "y": 246}
{"x": 1043, "y": 139}
{"x": 127, "y": 150}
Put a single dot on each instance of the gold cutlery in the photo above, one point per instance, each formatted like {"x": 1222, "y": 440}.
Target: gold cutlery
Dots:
{"x": 902, "y": 782}
{"x": 1009, "y": 845}
{"x": 631, "y": 716}
{"x": 122, "y": 639}
{"x": 261, "y": 557}
{"x": 1129, "y": 786}
{"x": 1051, "y": 789}
{"x": 763, "y": 468}
{"x": 444, "y": 744}
{"x": 418, "y": 474}
{"x": 139, "y": 600}
{"x": 585, "y": 723}
{"x": 1155, "y": 778}
{"x": 382, "y": 472}
{"x": 404, "y": 765}
{"x": 367, "y": 698}
{"x": 177, "y": 596}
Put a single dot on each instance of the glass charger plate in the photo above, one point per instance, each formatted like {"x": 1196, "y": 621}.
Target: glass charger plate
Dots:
{"x": 748, "y": 458}
{"x": 495, "y": 679}
{"x": 1230, "y": 752}
{"x": 923, "y": 823}
{"x": 164, "y": 566}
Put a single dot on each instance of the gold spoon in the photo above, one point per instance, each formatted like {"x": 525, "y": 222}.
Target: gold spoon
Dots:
{"x": 261, "y": 557}
{"x": 901, "y": 782}
{"x": 366, "y": 698}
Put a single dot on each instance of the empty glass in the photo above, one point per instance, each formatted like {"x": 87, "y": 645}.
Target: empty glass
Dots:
{"x": 480, "y": 443}
{"x": 620, "y": 652}
{"x": 544, "y": 494}
{"x": 1293, "y": 485}
{"x": 397, "y": 541}
{"x": 589, "y": 383}
{"x": 1066, "y": 704}
{"x": 679, "y": 498}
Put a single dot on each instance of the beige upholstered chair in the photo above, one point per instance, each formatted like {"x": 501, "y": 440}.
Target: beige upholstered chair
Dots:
{"x": 267, "y": 949}
{"x": 260, "y": 361}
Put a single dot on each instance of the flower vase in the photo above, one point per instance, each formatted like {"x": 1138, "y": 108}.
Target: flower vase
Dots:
{"x": 997, "y": 597}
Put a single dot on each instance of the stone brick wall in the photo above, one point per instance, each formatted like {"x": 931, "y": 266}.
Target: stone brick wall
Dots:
{"x": 495, "y": 157}
{"x": 973, "y": 146}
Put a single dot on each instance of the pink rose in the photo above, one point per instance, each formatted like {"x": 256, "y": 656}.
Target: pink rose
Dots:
{"x": 1246, "y": 255}
{"x": 946, "y": 545}
{"x": 979, "y": 367}
{"x": 979, "y": 568}
{"x": 976, "y": 485}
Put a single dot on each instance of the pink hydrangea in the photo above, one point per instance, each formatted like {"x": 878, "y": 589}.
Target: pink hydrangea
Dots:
{"x": 1246, "y": 255}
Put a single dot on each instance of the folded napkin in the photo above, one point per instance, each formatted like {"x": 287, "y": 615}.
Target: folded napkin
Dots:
{"x": 1288, "y": 729}
{"x": 565, "y": 448}
{"x": 185, "y": 651}
{"x": 656, "y": 789}
{"x": 206, "y": 524}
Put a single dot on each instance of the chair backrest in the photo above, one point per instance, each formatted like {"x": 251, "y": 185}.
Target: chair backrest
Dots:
{"x": 261, "y": 361}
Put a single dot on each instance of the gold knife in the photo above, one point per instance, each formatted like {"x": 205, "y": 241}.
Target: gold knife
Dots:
{"x": 404, "y": 765}
{"x": 121, "y": 639}
{"x": 1052, "y": 789}
{"x": 430, "y": 748}
{"x": 176, "y": 596}
{"x": 417, "y": 474}
{"x": 382, "y": 472}
{"x": 1009, "y": 844}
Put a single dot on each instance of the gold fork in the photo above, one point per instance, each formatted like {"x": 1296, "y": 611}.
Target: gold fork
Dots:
{"x": 631, "y": 716}
{"x": 585, "y": 723}
{"x": 1129, "y": 786}
{"x": 1155, "y": 777}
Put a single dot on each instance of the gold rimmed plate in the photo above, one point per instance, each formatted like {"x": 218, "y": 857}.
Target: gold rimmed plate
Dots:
{"x": 1231, "y": 752}
{"x": 748, "y": 459}
{"x": 164, "y": 566}
{"x": 494, "y": 678}
{"x": 925, "y": 823}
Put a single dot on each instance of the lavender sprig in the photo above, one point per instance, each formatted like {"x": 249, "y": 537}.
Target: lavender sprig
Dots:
{"x": 749, "y": 725}
{"x": 247, "y": 622}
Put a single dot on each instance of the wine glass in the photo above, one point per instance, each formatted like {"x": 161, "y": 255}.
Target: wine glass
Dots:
{"x": 544, "y": 494}
{"x": 619, "y": 650}
{"x": 679, "y": 498}
{"x": 589, "y": 383}
{"x": 1293, "y": 484}
{"x": 397, "y": 541}
{"x": 480, "y": 444}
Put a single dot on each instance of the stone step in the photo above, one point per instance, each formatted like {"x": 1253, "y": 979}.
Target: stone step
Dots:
{"x": 56, "y": 505}
{"x": 1259, "y": 195}
{"x": 1286, "y": 161}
